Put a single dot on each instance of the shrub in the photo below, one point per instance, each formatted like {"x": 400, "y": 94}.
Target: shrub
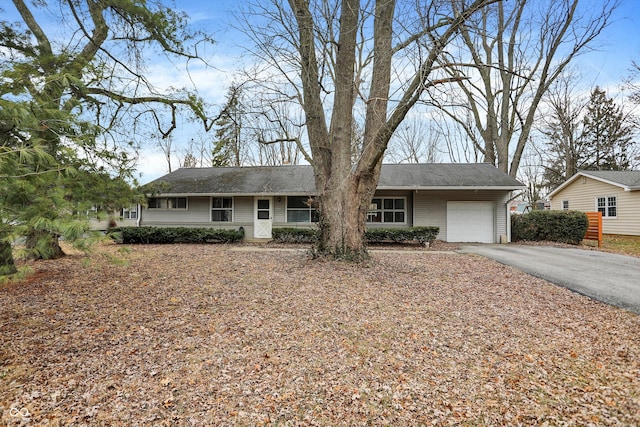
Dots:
{"x": 406, "y": 234}
{"x": 294, "y": 235}
{"x": 554, "y": 226}
{"x": 151, "y": 235}
{"x": 374, "y": 235}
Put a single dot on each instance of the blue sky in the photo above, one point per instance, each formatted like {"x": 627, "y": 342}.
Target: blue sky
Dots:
{"x": 609, "y": 64}
{"x": 617, "y": 47}
{"x": 606, "y": 66}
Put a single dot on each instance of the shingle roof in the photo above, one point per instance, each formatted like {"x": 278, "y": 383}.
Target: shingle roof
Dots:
{"x": 299, "y": 179}
{"x": 627, "y": 180}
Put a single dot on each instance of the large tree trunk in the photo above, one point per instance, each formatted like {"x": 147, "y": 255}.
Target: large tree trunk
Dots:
{"x": 346, "y": 186}
{"x": 343, "y": 217}
{"x": 44, "y": 245}
{"x": 7, "y": 266}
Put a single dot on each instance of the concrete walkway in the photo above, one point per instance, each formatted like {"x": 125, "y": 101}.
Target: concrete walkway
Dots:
{"x": 611, "y": 278}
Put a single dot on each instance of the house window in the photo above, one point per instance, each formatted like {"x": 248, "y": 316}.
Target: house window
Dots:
{"x": 94, "y": 212}
{"x": 168, "y": 203}
{"x": 565, "y": 205}
{"x": 221, "y": 209}
{"x": 608, "y": 206}
{"x": 387, "y": 210}
{"x": 130, "y": 213}
{"x": 301, "y": 209}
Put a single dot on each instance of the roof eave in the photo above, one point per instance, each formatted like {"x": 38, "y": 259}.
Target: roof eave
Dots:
{"x": 565, "y": 184}
{"x": 607, "y": 181}
{"x": 306, "y": 193}
{"x": 270, "y": 194}
{"x": 454, "y": 187}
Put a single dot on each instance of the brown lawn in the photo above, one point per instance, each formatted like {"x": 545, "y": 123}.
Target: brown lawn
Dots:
{"x": 211, "y": 335}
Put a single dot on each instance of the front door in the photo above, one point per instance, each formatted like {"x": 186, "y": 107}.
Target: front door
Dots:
{"x": 263, "y": 218}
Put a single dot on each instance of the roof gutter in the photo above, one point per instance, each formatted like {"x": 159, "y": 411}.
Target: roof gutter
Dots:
{"x": 270, "y": 194}
{"x": 450, "y": 187}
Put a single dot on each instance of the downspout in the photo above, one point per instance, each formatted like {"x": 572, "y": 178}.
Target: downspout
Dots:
{"x": 508, "y": 213}
{"x": 413, "y": 208}
{"x": 139, "y": 209}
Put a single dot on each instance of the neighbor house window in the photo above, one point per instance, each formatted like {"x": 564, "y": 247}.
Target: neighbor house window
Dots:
{"x": 130, "y": 213}
{"x": 608, "y": 206}
{"x": 168, "y": 203}
{"x": 301, "y": 209}
{"x": 565, "y": 205}
{"x": 221, "y": 209}
{"x": 387, "y": 210}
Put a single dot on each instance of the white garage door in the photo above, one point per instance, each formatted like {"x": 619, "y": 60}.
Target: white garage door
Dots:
{"x": 470, "y": 222}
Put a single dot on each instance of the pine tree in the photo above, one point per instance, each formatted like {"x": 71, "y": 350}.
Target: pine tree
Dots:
{"x": 607, "y": 133}
{"x": 228, "y": 146}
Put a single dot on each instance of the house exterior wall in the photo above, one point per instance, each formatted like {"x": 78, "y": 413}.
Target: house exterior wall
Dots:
{"x": 243, "y": 210}
{"x": 430, "y": 208}
{"x": 423, "y": 208}
{"x": 103, "y": 224}
{"x": 582, "y": 196}
{"x": 198, "y": 214}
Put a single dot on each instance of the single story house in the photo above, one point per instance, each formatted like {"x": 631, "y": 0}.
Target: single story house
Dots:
{"x": 614, "y": 193}
{"x": 469, "y": 202}
{"x": 102, "y": 220}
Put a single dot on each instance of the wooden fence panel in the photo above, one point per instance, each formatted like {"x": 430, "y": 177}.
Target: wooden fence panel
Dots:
{"x": 594, "y": 232}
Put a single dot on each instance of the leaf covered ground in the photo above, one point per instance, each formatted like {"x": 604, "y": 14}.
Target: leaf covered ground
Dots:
{"x": 219, "y": 335}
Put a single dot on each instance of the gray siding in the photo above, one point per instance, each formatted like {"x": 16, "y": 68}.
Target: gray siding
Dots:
{"x": 423, "y": 208}
{"x": 279, "y": 210}
{"x": 243, "y": 210}
{"x": 197, "y": 214}
{"x": 431, "y": 212}
{"x": 431, "y": 208}
{"x": 103, "y": 224}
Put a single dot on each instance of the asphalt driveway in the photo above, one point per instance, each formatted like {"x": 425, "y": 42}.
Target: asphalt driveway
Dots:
{"x": 610, "y": 278}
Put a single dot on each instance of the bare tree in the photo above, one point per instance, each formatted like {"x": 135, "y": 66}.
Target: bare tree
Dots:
{"x": 633, "y": 84}
{"x": 166, "y": 146}
{"x": 340, "y": 58}
{"x": 531, "y": 174}
{"x": 563, "y": 151}
{"x": 510, "y": 54}
{"x": 198, "y": 150}
{"x": 414, "y": 142}
{"x": 189, "y": 161}
{"x": 279, "y": 129}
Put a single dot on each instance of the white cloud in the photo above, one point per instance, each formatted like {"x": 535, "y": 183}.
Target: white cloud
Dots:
{"x": 151, "y": 165}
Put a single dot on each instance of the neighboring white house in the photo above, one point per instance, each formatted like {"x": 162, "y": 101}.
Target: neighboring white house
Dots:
{"x": 469, "y": 202}
{"x": 614, "y": 193}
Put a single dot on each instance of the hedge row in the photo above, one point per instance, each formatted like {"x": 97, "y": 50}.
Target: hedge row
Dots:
{"x": 554, "y": 226}
{"x": 294, "y": 235}
{"x": 150, "y": 235}
{"x": 374, "y": 235}
{"x": 161, "y": 235}
{"x": 420, "y": 234}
